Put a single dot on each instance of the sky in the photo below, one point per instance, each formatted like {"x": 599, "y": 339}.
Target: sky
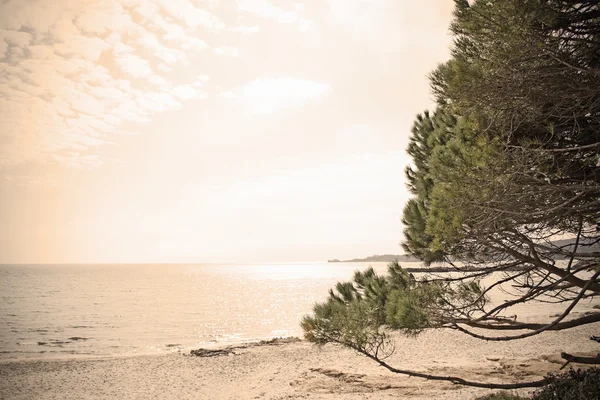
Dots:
{"x": 209, "y": 130}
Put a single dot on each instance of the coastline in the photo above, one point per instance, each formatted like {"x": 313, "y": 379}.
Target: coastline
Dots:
{"x": 169, "y": 350}
{"x": 293, "y": 369}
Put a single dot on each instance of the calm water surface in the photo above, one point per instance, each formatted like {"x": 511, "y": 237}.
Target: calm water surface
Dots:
{"x": 69, "y": 310}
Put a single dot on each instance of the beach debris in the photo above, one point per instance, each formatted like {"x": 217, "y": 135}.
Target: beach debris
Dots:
{"x": 279, "y": 341}
{"x": 230, "y": 350}
{"x": 211, "y": 353}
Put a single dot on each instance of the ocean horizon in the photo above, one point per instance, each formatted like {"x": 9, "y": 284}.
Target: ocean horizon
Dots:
{"x": 58, "y": 310}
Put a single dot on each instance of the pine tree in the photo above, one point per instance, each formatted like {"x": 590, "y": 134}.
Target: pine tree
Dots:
{"x": 506, "y": 166}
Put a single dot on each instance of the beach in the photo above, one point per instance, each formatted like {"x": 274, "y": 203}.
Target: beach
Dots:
{"x": 89, "y": 332}
{"x": 295, "y": 369}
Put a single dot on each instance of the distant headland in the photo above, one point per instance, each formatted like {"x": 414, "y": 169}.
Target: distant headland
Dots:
{"x": 406, "y": 258}
{"x": 381, "y": 258}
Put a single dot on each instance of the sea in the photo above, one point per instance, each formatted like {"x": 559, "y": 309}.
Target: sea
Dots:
{"x": 57, "y": 311}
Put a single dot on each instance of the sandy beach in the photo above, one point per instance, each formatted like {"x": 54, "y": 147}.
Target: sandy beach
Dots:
{"x": 295, "y": 369}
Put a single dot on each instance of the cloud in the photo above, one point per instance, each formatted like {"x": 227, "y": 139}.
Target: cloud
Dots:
{"x": 186, "y": 92}
{"x": 74, "y": 73}
{"x": 3, "y": 48}
{"x": 71, "y": 70}
{"x": 76, "y": 159}
{"x": 135, "y": 66}
{"x": 227, "y": 51}
{"x": 266, "y": 9}
{"x": 16, "y": 38}
{"x": 245, "y": 29}
{"x": 266, "y": 96}
{"x": 193, "y": 17}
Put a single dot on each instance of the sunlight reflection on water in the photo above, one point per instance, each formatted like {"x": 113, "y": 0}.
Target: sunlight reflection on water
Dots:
{"x": 58, "y": 310}
{"x": 298, "y": 271}
{"x": 120, "y": 309}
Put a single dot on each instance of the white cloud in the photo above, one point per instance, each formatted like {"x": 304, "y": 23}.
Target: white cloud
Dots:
{"x": 227, "y": 51}
{"x": 95, "y": 19}
{"x": 41, "y": 52}
{"x": 122, "y": 48}
{"x": 266, "y": 9}
{"x": 245, "y": 29}
{"x": 76, "y": 159}
{"x": 170, "y": 56}
{"x": 64, "y": 29}
{"x": 266, "y": 96}
{"x": 185, "y": 92}
{"x": 201, "y": 80}
{"x": 83, "y": 102}
{"x": 185, "y": 11}
{"x": 134, "y": 65}
{"x": 82, "y": 46}
{"x": 58, "y": 98}
{"x": 16, "y": 38}
{"x": 164, "y": 68}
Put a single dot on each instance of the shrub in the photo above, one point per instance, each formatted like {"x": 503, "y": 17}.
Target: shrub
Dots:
{"x": 572, "y": 385}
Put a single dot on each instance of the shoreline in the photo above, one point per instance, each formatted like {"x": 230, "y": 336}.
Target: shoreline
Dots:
{"x": 275, "y": 340}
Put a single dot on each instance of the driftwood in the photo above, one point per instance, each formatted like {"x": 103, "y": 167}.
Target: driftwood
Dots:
{"x": 230, "y": 350}
{"x": 211, "y": 353}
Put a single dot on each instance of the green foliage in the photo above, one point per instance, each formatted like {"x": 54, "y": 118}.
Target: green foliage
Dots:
{"x": 406, "y": 311}
{"x": 416, "y": 240}
{"x": 354, "y": 323}
{"x": 428, "y": 133}
{"x": 572, "y": 385}
{"x": 493, "y": 157}
{"x": 508, "y": 161}
{"x": 359, "y": 313}
{"x": 464, "y": 173}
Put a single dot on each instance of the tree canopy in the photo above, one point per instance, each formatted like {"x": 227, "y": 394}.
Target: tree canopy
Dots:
{"x": 505, "y": 181}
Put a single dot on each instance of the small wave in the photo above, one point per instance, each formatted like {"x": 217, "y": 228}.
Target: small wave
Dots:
{"x": 18, "y": 352}
{"x": 54, "y": 343}
{"x": 76, "y": 338}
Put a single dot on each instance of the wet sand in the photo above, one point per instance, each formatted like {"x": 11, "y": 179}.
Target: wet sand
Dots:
{"x": 297, "y": 370}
